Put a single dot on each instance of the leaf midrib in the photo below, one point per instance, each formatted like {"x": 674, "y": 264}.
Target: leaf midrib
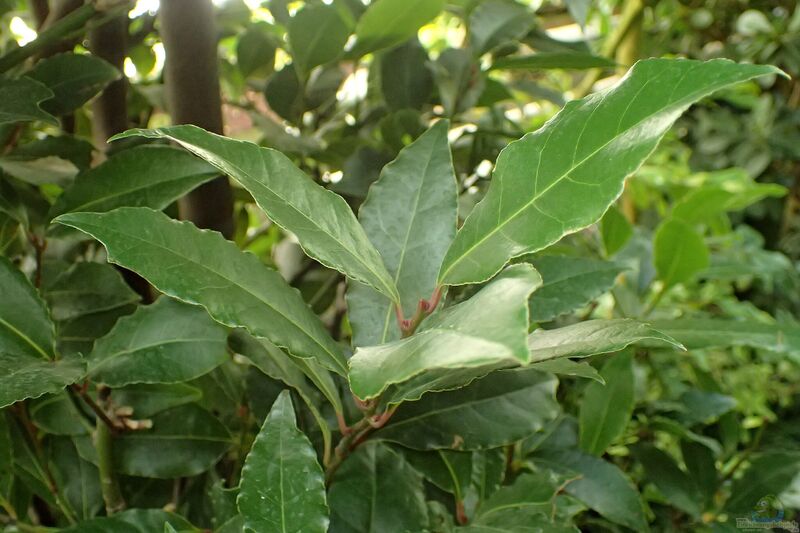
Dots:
{"x": 566, "y": 174}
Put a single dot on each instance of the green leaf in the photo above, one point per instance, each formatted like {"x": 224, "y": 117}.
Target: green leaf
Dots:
{"x": 200, "y": 267}
{"x": 143, "y": 176}
{"x": 57, "y": 414}
{"x": 184, "y": 441}
{"x": 606, "y": 408}
{"x": 406, "y": 78}
{"x": 20, "y": 101}
{"x": 675, "y": 484}
{"x": 133, "y": 521}
{"x": 41, "y": 171}
{"x": 73, "y": 78}
{"x": 87, "y": 289}
{"x": 317, "y": 34}
{"x": 615, "y": 230}
{"x": 495, "y": 22}
{"x": 769, "y": 473}
{"x": 448, "y": 470}
{"x": 6, "y": 458}
{"x": 25, "y": 326}
{"x": 538, "y": 195}
{"x": 148, "y": 400}
{"x": 536, "y": 489}
{"x": 704, "y": 203}
{"x": 282, "y": 487}
{"x": 459, "y": 79}
{"x": 552, "y": 60}
{"x": 166, "y": 342}
{"x": 569, "y": 283}
{"x": 593, "y": 337}
{"x": 255, "y": 51}
{"x": 487, "y": 329}
{"x": 284, "y": 94}
{"x": 491, "y": 412}
{"x": 26, "y": 376}
{"x": 77, "y": 478}
{"x": 390, "y": 22}
{"x": 410, "y": 216}
{"x": 679, "y": 252}
{"x": 377, "y": 491}
{"x": 568, "y": 367}
{"x": 322, "y": 221}
{"x": 602, "y": 486}
{"x": 702, "y": 333}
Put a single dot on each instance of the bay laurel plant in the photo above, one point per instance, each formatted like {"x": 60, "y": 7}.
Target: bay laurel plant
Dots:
{"x": 444, "y": 412}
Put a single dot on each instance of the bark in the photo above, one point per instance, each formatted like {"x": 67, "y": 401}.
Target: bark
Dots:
{"x": 110, "y": 108}
{"x": 193, "y": 96}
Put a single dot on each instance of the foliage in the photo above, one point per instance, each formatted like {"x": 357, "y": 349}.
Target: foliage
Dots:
{"x": 458, "y": 298}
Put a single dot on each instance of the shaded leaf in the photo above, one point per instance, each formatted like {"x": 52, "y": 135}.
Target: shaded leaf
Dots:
{"x": 317, "y": 34}
{"x": 26, "y": 376}
{"x": 679, "y": 252}
{"x": 166, "y": 342}
{"x": 25, "y": 326}
{"x": 606, "y": 407}
{"x": 21, "y": 99}
{"x": 551, "y": 60}
{"x": 675, "y": 484}
{"x": 376, "y": 490}
{"x": 133, "y": 521}
{"x": 406, "y": 79}
{"x": 495, "y": 22}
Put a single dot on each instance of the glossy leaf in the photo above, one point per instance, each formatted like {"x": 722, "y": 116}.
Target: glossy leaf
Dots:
{"x": 680, "y": 252}
{"x": 487, "y": 329}
{"x": 322, "y": 221}
{"x": 73, "y": 78}
{"x": 184, "y": 441}
{"x": 491, "y": 412}
{"x": 21, "y": 99}
{"x": 282, "y": 487}
{"x": 25, "y": 326}
{"x": 410, "y": 216}
{"x": 143, "y": 176}
{"x": 551, "y": 60}
{"x": 569, "y": 283}
{"x": 593, "y": 337}
{"x": 166, "y": 342}
{"x": 390, "y": 22}
{"x": 538, "y": 488}
{"x": 538, "y": 195}
{"x": 317, "y": 34}
{"x": 200, "y": 267}
{"x": 606, "y": 408}
{"x": 376, "y": 490}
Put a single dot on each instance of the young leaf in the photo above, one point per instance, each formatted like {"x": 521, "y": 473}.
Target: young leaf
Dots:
{"x": 377, "y": 491}
{"x": 282, "y": 487}
{"x": 606, "y": 408}
{"x": 166, "y": 342}
{"x": 494, "y": 411}
{"x": 489, "y": 328}
{"x": 390, "y": 22}
{"x": 202, "y": 268}
{"x": 25, "y": 326}
{"x": 20, "y": 101}
{"x": 537, "y": 195}
{"x": 569, "y": 283}
{"x": 73, "y": 78}
{"x": 322, "y": 221}
{"x": 593, "y": 337}
{"x": 680, "y": 252}
{"x": 410, "y": 216}
{"x": 143, "y": 176}
{"x": 184, "y": 441}
{"x": 317, "y": 34}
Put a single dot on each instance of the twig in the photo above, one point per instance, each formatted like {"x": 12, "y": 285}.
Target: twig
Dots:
{"x": 113, "y": 425}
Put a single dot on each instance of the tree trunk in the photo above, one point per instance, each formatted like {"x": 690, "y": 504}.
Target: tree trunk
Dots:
{"x": 110, "y": 109}
{"x": 193, "y": 96}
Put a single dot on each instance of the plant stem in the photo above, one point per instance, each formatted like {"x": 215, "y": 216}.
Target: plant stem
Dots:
{"x": 101, "y": 414}
{"x": 57, "y": 32}
{"x": 104, "y": 444}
